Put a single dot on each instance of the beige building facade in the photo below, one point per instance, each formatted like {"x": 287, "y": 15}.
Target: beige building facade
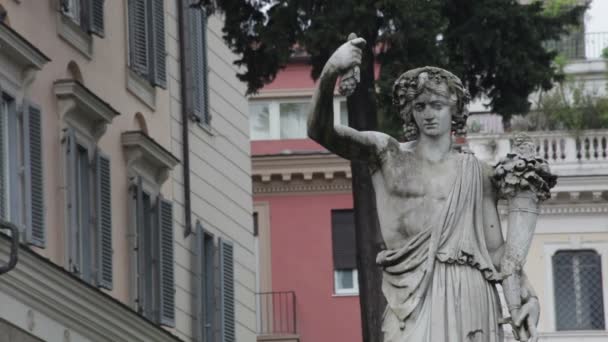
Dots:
{"x": 92, "y": 174}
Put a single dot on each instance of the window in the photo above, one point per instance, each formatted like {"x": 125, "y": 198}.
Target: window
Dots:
{"x": 259, "y": 121}
{"x": 205, "y": 290}
{"x": 194, "y": 29}
{"x": 147, "y": 53}
{"x": 86, "y": 14}
{"x": 293, "y": 118}
{"x": 155, "y": 278}
{"x": 286, "y": 119}
{"x": 577, "y": 278}
{"x": 344, "y": 252}
{"x": 89, "y": 208}
{"x": 21, "y": 177}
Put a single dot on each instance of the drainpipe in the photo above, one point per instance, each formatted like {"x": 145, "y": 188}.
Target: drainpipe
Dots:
{"x": 185, "y": 121}
{"x": 14, "y": 246}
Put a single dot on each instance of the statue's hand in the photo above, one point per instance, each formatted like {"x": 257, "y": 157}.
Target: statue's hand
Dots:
{"x": 348, "y": 55}
{"x": 526, "y": 320}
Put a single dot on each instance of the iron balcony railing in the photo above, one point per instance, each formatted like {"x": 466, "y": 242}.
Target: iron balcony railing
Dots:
{"x": 277, "y": 313}
{"x": 580, "y": 45}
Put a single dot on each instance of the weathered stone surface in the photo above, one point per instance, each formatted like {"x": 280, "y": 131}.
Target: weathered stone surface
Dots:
{"x": 436, "y": 208}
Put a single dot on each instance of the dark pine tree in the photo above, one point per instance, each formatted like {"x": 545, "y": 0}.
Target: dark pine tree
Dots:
{"x": 494, "y": 46}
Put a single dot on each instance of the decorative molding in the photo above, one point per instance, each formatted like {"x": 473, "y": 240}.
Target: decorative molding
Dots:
{"x": 146, "y": 157}
{"x": 304, "y": 172}
{"x": 38, "y": 284}
{"x": 141, "y": 89}
{"x": 74, "y": 35}
{"x": 20, "y": 50}
{"x": 81, "y": 108}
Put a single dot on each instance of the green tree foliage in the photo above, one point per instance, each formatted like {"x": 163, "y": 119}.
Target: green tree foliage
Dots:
{"x": 495, "y": 46}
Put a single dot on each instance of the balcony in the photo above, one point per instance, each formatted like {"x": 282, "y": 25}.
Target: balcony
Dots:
{"x": 589, "y": 45}
{"x": 579, "y": 159}
{"x": 277, "y": 317}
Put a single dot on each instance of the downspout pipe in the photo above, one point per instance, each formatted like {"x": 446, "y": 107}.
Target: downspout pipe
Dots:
{"x": 185, "y": 121}
{"x": 14, "y": 246}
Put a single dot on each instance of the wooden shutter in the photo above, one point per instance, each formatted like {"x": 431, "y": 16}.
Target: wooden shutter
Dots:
{"x": 71, "y": 152}
{"x": 138, "y": 196}
{"x": 32, "y": 127}
{"x": 204, "y": 89}
{"x": 3, "y": 157}
{"x": 199, "y": 284}
{"x": 194, "y": 27}
{"x": 103, "y": 193}
{"x": 227, "y": 291}
{"x": 167, "y": 282}
{"x": 343, "y": 239}
{"x": 138, "y": 37}
{"x": 158, "y": 62}
{"x": 95, "y": 17}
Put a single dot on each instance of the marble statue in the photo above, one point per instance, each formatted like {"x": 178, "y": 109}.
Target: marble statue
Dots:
{"x": 437, "y": 210}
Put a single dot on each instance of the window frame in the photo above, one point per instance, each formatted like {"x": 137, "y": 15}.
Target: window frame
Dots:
{"x": 353, "y": 291}
{"x": 85, "y": 240}
{"x": 274, "y": 114}
{"x": 548, "y": 297}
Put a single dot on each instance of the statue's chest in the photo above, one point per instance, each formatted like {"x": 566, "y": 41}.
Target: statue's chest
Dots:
{"x": 407, "y": 176}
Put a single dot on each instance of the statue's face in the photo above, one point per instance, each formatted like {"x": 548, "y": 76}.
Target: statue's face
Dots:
{"x": 433, "y": 113}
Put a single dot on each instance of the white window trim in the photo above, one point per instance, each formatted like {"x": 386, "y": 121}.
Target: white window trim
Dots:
{"x": 70, "y": 31}
{"x": 575, "y": 243}
{"x": 274, "y": 114}
{"x": 354, "y": 291}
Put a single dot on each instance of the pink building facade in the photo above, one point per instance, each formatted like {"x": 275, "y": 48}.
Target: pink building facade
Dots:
{"x": 299, "y": 189}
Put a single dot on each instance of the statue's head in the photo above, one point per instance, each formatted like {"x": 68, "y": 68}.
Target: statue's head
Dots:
{"x": 433, "y": 89}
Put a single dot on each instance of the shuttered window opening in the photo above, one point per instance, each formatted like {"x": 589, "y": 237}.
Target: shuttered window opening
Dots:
{"x": 344, "y": 252}
{"x": 88, "y": 14}
{"x": 89, "y": 207}
{"x": 579, "y": 292}
{"x": 147, "y": 51}
{"x": 204, "y": 286}
{"x": 155, "y": 256}
{"x": 21, "y": 174}
{"x": 227, "y": 304}
{"x": 194, "y": 31}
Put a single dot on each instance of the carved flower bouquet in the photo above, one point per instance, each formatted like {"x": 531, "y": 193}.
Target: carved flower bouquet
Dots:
{"x": 524, "y": 181}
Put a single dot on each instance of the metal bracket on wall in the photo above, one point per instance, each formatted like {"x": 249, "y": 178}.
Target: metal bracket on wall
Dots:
{"x": 14, "y": 246}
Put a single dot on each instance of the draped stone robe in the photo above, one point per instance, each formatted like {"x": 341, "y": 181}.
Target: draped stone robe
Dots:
{"x": 440, "y": 284}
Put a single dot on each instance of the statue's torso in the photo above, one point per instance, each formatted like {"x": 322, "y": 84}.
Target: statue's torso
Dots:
{"x": 409, "y": 191}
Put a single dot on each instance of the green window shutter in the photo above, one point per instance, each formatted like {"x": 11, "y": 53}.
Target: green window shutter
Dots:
{"x": 227, "y": 291}
{"x": 35, "y": 225}
{"x": 138, "y": 37}
{"x": 69, "y": 141}
{"x": 158, "y": 61}
{"x": 104, "y": 220}
{"x": 95, "y": 17}
{"x": 166, "y": 262}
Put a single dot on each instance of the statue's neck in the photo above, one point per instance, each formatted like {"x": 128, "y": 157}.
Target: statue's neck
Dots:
{"x": 434, "y": 148}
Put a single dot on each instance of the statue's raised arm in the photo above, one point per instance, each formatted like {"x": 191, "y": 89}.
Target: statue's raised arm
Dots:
{"x": 341, "y": 140}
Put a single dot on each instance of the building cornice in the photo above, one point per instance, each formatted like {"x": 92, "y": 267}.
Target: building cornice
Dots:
{"x": 20, "y": 49}
{"x": 81, "y": 107}
{"x": 300, "y": 173}
{"x": 148, "y": 156}
{"x": 51, "y": 291}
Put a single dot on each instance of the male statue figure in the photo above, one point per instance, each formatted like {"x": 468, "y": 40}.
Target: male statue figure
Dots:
{"x": 436, "y": 208}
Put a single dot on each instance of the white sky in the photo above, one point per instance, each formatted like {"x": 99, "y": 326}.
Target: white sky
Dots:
{"x": 596, "y": 18}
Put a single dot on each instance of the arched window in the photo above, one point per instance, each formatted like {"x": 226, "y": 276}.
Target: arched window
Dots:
{"x": 579, "y": 299}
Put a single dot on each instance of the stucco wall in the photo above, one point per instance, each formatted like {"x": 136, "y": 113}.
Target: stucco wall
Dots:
{"x": 302, "y": 261}
{"x": 220, "y": 177}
